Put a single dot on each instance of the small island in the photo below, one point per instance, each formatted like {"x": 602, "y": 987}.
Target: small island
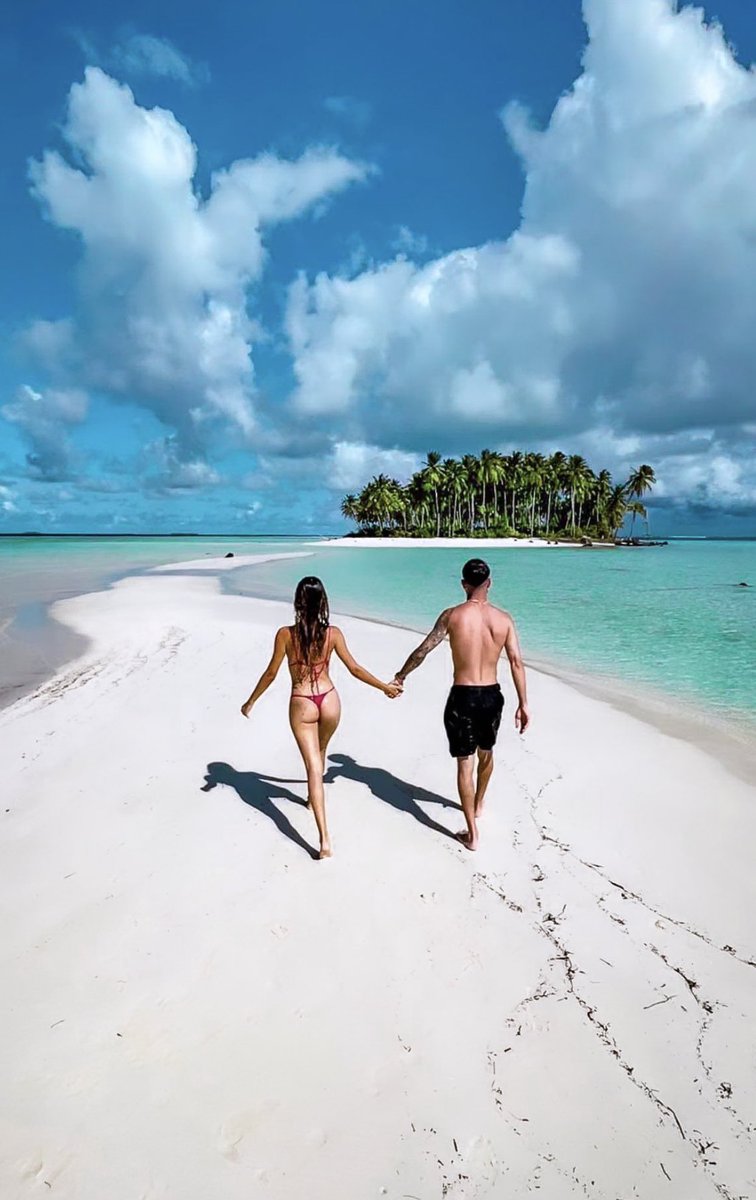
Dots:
{"x": 492, "y": 495}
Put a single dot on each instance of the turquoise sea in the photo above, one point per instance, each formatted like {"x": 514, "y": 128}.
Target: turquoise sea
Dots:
{"x": 669, "y": 616}
{"x": 36, "y": 571}
{"x": 672, "y": 617}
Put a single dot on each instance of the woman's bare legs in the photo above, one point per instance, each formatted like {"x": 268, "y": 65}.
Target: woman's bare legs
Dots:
{"x": 330, "y": 715}
{"x": 312, "y": 729}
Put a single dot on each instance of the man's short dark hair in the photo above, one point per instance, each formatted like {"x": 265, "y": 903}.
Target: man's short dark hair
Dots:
{"x": 475, "y": 572}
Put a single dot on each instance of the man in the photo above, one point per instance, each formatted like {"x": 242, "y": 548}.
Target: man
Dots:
{"x": 478, "y": 633}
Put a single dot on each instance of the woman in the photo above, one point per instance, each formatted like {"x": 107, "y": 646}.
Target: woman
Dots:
{"x": 314, "y": 708}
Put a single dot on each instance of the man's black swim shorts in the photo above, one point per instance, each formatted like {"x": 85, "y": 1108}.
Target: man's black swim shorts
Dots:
{"x": 472, "y": 717}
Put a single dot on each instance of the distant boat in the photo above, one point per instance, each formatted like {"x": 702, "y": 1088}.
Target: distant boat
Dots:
{"x": 636, "y": 543}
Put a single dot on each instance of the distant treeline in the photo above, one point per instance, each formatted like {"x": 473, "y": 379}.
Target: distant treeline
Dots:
{"x": 499, "y": 495}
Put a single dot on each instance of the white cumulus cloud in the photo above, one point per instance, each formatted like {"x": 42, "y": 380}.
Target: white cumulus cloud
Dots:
{"x": 7, "y": 500}
{"x": 407, "y": 242}
{"x": 165, "y": 272}
{"x": 44, "y": 420}
{"x": 351, "y": 463}
{"x": 626, "y": 298}
{"x": 167, "y": 471}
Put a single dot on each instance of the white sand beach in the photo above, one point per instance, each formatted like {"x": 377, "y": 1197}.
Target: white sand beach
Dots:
{"x": 456, "y": 543}
{"x": 228, "y": 563}
{"x": 195, "y": 1009}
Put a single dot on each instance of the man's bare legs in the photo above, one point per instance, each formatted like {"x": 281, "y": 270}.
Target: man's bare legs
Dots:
{"x": 485, "y": 771}
{"x": 466, "y": 789}
{"x": 472, "y": 791}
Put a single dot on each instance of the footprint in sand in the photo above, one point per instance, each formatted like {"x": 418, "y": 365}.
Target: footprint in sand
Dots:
{"x": 35, "y": 1168}
{"x": 231, "y": 1134}
{"x": 31, "y": 1168}
{"x": 472, "y": 1171}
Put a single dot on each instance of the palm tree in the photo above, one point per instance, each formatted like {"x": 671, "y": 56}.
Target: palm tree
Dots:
{"x": 488, "y": 471}
{"x": 470, "y": 466}
{"x": 641, "y": 480}
{"x": 404, "y": 503}
{"x": 533, "y": 478}
{"x": 433, "y": 479}
{"x": 496, "y": 472}
{"x": 585, "y": 491}
{"x": 601, "y": 493}
{"x": 553, "y": 481}
{"x": 455, "y": 475}
{"x": 367, "y": 513}
{"x": 390, "y": 498}
{"x": 575, "y": 473}
{"x": 615, "y": 510}
{"x": 538, "y": 493}
{"x": 418, "y": 500}
{"x": 514, "y": 480}
{"x": 349, "y": 507}
{"x": 638, "y": 510}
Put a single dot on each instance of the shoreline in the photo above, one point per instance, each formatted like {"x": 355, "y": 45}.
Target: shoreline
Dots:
{"x": 730, "y": 739}
{"x": 35, "y": 648}
{"x": 28, "y": 665}
{"x": 214, "y": 988}
{"x": 466, "y": 543}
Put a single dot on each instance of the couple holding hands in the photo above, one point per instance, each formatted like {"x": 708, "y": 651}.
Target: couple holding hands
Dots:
{"x": 478, "y": 632}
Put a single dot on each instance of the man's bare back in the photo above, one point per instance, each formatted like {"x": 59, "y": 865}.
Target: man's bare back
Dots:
{"x": 478, "y": 634}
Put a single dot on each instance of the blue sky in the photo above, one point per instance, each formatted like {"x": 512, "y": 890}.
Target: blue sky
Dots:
{"x": 266, "y": 253}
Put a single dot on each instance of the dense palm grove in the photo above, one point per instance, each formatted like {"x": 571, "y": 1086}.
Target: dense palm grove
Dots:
{"x": 495, "y": 495}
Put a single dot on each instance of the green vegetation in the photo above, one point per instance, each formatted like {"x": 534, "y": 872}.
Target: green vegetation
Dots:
{"x": 496, "y": 495}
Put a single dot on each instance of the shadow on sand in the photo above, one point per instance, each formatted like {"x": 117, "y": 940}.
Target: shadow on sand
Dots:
{"x": 259, "y": 791}
{"x": 386, "y": 787}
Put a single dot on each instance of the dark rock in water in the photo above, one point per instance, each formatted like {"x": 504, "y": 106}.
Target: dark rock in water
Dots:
{"x": 229, "y": 555}
{"x": 742, "y": 584}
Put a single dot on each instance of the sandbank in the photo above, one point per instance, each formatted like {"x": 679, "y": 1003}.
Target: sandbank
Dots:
{"x": 195, "y": 1008}
{"x": 227, "y": 563}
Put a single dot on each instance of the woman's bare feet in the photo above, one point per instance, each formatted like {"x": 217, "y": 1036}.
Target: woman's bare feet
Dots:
{"x": 468, "y": 840}
{"x": 325, "y": 850}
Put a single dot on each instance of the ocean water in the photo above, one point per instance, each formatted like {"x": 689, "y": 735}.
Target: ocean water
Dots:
{"x": 36, "y": 571}
{"x": 671, "y": 617}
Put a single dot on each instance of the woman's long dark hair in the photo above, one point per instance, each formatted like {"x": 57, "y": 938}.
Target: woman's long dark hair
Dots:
{"x": 311, "y": 618}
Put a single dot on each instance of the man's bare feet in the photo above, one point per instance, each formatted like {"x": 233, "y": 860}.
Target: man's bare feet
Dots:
{"x": 468, "y": 841}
